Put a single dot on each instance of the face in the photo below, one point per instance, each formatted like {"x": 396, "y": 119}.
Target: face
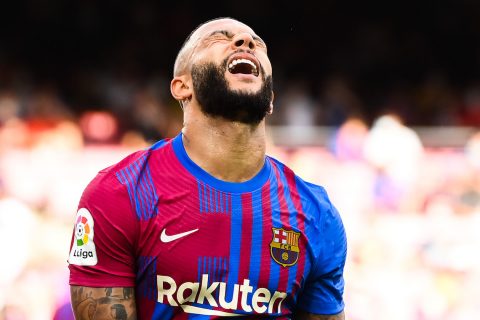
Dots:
{"x": 229, "y": 40}
{"x": 231, "y": 72}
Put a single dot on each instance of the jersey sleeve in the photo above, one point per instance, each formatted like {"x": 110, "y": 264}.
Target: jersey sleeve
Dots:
{"x": 323, "y": 292}
{"x": 102, "y": 251}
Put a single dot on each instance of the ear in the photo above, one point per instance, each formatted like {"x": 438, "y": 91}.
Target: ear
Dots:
{"x": 181, "y": 88}
{"x": 270, "y": 111}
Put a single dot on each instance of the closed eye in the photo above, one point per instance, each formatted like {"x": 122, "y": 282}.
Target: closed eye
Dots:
{"x": 221, "y": 34}
{"x": 260, "y": 43}
{"x": 227, "y": 35}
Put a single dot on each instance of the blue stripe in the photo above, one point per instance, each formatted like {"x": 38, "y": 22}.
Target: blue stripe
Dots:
{"x": 221, "y": 201}
{"x": 292, "y": 271}
{"x": 147, "y": 277}
{"x": 207, "y": 203}
{"x": 215, "y": 276}
{"x": 200, "y": 204}
{"x": 123, "y": 180}
{"x": 199, "y": 269}
{"x": 219, "y": 269}
{"x": 225, "y": 262}
{"x": 147, "y": 194}
{"x": 138, "y": 199}
{"x": 210, "y": 205}
{"x": 198, "y": 316}
{"x": 162, "y": 311}
{"x": 216, "y": 201}
{"x": 214, "y": 269}
{"x": 204, "y": 267}
{"x": 227, "y": 204}
{"x": 205, "y": 197}
{"x": 141, "y": 190}
{"x": 131, "y": 180}
{"x": 276, "y": 223}
{"x": 144, "y": 192}
{"x": 306, "y": 268}
{"x": 235, "y": 243}
{"x": 257, "y": 234}
{"x": 210, "y": 269}
{"x": 151, "y": 191}
{"x": 152, "y": 205}
{"x": 140, "y": 193}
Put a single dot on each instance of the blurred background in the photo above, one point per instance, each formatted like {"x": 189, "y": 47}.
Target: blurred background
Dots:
{"x": 379, "y": 103}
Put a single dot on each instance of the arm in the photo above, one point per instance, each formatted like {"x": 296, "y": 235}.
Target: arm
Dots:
{"x": 103, "y": 303}
{"x": 310, "y": 316}
{"x": 322, "y": 295}
{"x": 102, "y": 265}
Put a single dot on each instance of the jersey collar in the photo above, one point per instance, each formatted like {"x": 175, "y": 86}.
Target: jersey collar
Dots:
{"x": 233, "y": 187}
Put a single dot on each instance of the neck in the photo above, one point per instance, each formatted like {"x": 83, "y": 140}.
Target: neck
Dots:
{"x": 229, "y": 151}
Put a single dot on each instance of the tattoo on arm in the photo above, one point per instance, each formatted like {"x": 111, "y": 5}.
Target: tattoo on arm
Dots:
{"x": 103, "y": 303}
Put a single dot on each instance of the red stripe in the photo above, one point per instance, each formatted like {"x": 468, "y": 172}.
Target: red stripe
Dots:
{"x": 284, "y": 215}
{"x": 246, "y": 242}
{"x": 264, "y": 276}
{"x": 294, "y": 195}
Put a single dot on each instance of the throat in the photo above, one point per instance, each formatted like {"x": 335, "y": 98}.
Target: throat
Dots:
{"x": 225, "y": 158}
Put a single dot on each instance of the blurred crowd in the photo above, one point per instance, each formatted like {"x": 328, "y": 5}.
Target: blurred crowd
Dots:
{"x": 118, "y": 57}
{"x": 412, "y": 211}
{"x": 412, "y": 215}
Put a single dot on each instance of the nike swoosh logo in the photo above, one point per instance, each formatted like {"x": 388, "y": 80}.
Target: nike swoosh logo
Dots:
{"x": 164, "y": 237}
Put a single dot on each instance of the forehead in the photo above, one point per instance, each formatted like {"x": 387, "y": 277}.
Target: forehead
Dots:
{"x": 230, "y": 25}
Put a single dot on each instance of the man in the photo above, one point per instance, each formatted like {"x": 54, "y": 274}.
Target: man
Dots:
{"x": 205, "y": 225}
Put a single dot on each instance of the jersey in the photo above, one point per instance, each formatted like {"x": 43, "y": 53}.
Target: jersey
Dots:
{"x": 196, "y": 247}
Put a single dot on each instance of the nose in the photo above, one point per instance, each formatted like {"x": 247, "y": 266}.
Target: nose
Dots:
{"x": 244, "y": 40}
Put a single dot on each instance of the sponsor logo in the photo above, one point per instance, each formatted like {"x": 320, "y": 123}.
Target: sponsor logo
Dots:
{"x": 83, "y": 252}
{"x": 214, "y": 295}
{"x": 82, "y": 230}
{"x": 164, "y": 237}
{"x": 284, "y": 247}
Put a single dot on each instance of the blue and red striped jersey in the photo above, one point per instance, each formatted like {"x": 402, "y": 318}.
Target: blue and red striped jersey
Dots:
{"x": 194, "y": 246}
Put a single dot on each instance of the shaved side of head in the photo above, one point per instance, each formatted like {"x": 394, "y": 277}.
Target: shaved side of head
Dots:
{"x": 183, "y": 56}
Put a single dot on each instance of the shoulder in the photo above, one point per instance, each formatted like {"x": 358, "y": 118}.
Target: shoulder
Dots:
{"x": 321, "y": 214}
{"x": 114, "y": 181}
{"x": 137, "y": 157}
{"x": 308, "y": 191}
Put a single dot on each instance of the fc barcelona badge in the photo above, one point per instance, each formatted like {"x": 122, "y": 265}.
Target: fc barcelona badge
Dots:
{"x": 284, "y": 246}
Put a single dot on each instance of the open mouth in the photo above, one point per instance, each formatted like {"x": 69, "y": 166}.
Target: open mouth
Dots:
{"x": 243, "y": 66}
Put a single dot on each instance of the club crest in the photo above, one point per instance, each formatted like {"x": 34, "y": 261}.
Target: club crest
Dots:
{"x": 284, "y": 247}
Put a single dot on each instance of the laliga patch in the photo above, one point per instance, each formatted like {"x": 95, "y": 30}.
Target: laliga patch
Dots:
{"x": 83, "y": 251}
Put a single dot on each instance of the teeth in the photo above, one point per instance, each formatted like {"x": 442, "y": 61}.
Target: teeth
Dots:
{"x": 237, "y": 61}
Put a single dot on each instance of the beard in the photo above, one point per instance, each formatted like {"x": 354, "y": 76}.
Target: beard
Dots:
{"x": 217, "y": 100}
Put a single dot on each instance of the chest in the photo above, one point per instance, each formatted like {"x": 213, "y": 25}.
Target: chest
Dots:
{"x": 224, "y": 236}
{"x": 233, "y": 251}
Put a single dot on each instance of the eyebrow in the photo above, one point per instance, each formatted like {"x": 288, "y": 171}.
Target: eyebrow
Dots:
{"x": 224, "y": 32}
{"x": 229, "y": 34}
